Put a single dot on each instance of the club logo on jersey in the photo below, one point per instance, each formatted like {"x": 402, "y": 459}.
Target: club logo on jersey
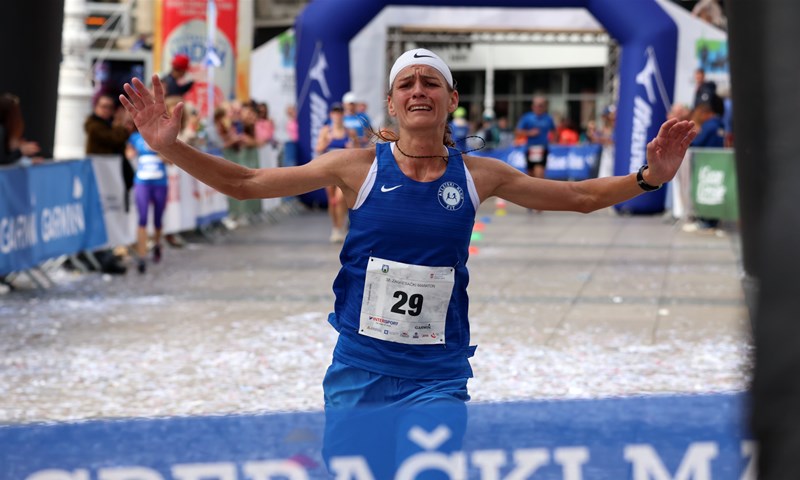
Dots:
{"x": 451, "y": 196}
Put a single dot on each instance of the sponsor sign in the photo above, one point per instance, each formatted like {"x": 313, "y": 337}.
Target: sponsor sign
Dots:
{"x": 714, "y": 184}
{"x": 184, "y": 31}
{"x": 666, "y": 437}
{"x": 47, "y": 211}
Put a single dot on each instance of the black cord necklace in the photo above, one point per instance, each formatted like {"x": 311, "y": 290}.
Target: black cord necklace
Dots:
{"x": 444, "y": 157}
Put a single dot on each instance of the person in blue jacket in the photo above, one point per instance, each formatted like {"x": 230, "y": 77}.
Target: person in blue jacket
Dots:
{"x": 401, "y": 305}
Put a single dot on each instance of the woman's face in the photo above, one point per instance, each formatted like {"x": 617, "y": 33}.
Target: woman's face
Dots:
{"x": 337, "y": 117}
{"x": 421, "y": 98}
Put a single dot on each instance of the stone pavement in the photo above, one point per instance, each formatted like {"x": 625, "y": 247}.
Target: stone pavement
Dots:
{"x": 563, "y": 305}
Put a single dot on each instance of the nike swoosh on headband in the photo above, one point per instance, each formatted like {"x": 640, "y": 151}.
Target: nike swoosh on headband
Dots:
{"x": 417, "y": 55}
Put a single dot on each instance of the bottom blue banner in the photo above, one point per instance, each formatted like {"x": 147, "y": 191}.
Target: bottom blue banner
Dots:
{"x": 698, "y": 437}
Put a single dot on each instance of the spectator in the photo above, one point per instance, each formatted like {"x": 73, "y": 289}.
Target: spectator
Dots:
{"x": 605, "y": 137}
{"x": 506, "y": 133}
{"x": 177, "y": 81}
{"x": 249, "y": 137}
{"x": 292, "y": 134}
{"x": 459, "y": 128}
{"x": 727, "y": 116}
{"x": 361, "y": 111}
{"x": 489, "y": 131}
{"x": 680, "y": 111}
{"x": 711, "y": 12}
{"x": 107, "y": 131}
{"x": 590, "y": 133}
{"x": 265, "y": 127}
{"x": 354, "y": 121}
{"x": 705, "y": 90}
{"x": 567, "y": 134}
{"x": 711, "y": 135}
{"x": 13, "y": 146}
{"x": 191, "y": 130}
{"x": 336, "y": 136}
{"x": 221, "y": 134}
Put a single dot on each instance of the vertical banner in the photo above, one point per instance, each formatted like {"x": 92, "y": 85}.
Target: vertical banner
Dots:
{"x": 183, "y": 31}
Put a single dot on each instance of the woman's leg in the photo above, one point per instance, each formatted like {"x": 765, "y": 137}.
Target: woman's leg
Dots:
{"x": 159, "y": 197}
{"x": 335, "y": 203}
{"x": 142, "y": 195}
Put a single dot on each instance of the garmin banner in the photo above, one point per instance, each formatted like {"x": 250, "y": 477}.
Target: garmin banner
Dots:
{"x": 642, "y": 438}
{"x": 647, "y": 34}
{"x": 47, "y": 211}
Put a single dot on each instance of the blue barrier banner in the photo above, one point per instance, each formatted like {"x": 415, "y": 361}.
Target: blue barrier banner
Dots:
{"x": 514, "y": 156}
{"x": 564, "y": 162}
{"x": 572, "y": 162}
{"x": 47, "y": 211}
{"x": 699, "y": 436}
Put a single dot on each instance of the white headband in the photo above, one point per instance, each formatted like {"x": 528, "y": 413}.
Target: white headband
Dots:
{"x": 420, "y": 56}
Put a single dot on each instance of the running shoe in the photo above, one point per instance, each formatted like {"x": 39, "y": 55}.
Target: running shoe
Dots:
{"x": 156, "y": 253}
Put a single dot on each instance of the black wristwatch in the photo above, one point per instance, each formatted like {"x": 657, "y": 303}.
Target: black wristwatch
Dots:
{"x": 644, "y": 185}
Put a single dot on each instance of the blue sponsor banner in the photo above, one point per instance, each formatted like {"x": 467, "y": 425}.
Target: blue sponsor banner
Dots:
{"x": 514, "y": 156}
{"x": 564, "y": 162}
{"x": 46, "y": 211}
{"x": 698, "y": 436}
{"x": 572, "y": 162}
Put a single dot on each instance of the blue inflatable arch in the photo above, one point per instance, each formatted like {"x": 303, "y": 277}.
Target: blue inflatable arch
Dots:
{"x": 647, "y": 35}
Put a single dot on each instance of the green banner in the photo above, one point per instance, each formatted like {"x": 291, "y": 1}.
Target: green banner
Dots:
{"x": 714, "y": 191}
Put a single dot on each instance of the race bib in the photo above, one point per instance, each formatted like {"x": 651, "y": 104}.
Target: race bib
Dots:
{"x": 405, "y": 303}
{"x": 150, "y": 167}
{"x": 536, "y": 153}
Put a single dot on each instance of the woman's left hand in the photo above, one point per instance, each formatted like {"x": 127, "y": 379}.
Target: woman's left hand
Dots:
{"x": 665, "y": 152}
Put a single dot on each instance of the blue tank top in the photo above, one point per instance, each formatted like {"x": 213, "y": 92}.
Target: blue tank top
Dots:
{"x": 419, "y": 223}
{"x": 337, "y": 143}
{"x": 150, "y": 169}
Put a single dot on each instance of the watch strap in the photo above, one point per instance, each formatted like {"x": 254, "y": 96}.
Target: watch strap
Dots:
{"x": 642, "y": 184}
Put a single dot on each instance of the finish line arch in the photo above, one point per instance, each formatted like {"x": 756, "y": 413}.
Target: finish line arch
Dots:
{"x": 647, "y": 36}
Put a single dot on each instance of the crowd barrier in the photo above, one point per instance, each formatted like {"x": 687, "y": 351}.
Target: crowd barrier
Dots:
{"x": 47, "y": 211}
{"x": 659, "y": 437}
{"x": 262, "y": 157}
{"x": 43, "y": 217}
{"x": 190, "y": 203}
{"x": 564, "y": 162}
{"x": 705, "y": 185}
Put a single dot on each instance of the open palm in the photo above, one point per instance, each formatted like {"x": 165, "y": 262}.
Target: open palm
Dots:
{"x": 156, "y": 124}
{"x": 665, "y": 152}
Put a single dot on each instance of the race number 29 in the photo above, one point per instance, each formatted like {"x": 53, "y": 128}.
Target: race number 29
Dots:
{"x": 414, "y": 303}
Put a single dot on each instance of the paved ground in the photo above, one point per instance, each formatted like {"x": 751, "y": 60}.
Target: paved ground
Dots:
{"x": 563, "y": 305}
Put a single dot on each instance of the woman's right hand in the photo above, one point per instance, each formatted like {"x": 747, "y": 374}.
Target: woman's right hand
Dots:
{"x": 158, "y": 126}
